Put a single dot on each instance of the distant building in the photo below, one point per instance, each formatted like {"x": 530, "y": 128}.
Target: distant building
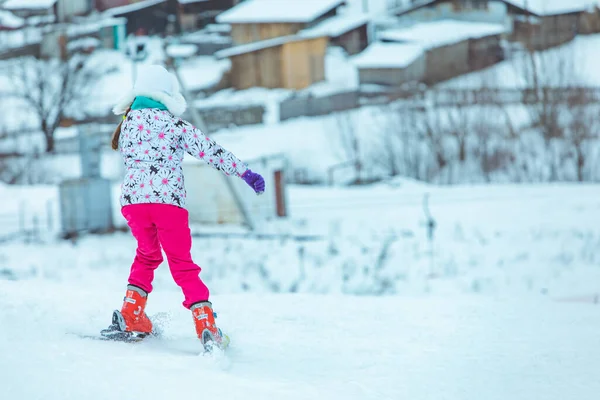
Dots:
{"x": 289, "y": 62}
{"x": 451, "y": 48}
{"x": 390, "y": 64}
{"x": 62, "y": 10}
{"x": 538, "y": 24}
{"x": 346, "y": 31}
{"x": 256, "y": 20}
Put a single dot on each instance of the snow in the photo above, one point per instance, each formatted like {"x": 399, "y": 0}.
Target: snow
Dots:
{"x": 465, "y": 348}
{"x": 261, "y": 45}
{"x": 9, "y": 20}
{"x": 388, "y": 55}
{"x": 441, "y": 33}
{"x": 553, "y": 7}
{"x": 573, "y": 63}
{"x": 139, "y": 5}
{"x": 507, "y": 312}
{"x": 266, "y": 11}
{"x": 337, "y": 26}
{"x": 181, "y": 50}
{"x": 28, "y": 4}
{"x": 83, "y": 43}
{"x": 203, "y": 72}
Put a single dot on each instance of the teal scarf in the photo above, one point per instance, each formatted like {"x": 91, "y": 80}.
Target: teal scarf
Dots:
{"x": 146, "y": 102}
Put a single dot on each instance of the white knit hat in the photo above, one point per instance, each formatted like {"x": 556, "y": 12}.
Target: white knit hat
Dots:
{"x": 157, "y": 83}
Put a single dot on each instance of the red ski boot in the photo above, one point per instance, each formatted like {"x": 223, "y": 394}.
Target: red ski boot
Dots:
{"x": 206, "y": 329}
{"x": 131, "y": 323}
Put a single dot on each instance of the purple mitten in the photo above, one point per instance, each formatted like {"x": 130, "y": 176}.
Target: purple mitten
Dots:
{"x": 255, "y": 181}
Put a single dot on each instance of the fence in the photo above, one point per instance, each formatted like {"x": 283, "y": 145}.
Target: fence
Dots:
{"x": 221, "y": 117}
{"x": 310, "y": 106}
{"x": 28, "y": 225}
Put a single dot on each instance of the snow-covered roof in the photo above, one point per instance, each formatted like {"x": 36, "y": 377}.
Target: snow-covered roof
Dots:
{"x": 181, "y": 50}
{"x": 442, "y": 33}
{"x": 260, "y": 45}
{"x": 388, "y": 55}
{"x": 28, "y": 4}
{"x": 338, "y": 25}
{"x": 9, "y": 20}
{"x": 266, "y": 11}
{"x": 133, "y": 7}
{"x": 553, "y": 7}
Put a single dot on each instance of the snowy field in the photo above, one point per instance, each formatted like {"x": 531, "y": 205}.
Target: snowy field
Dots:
{"x": 505, "y": 309}
{"x": 302, "y": 347}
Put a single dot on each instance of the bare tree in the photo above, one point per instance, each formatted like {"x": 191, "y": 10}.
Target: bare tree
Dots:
{"x": 51, "y": 87}
{"x": 547, "y": 74}
{"x": 581, "y": 130}
{"x": 350, "y": 143}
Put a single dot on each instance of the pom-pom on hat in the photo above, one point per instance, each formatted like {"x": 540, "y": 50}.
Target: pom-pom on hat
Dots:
{"x": 155, "y": 82}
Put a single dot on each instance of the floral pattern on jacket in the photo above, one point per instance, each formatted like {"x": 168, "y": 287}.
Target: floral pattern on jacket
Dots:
{"x": 153, "y": 143}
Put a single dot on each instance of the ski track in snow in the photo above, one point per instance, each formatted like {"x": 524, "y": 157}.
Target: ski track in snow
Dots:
{"x": 301, "y": 347}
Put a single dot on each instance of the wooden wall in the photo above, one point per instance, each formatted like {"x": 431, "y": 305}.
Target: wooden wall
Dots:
{"x": 484, "y": 52}
{"x": 394, "y": 76}
{"x": 303, "y": 62}
{"x": 247, "y": 33}
{"x": 447, "y": 62}
{"x": 353, "y": 41}
{"x": 293, "y": 65}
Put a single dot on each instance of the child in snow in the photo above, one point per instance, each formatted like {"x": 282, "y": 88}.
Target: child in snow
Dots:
{"x": 152, "y": 140}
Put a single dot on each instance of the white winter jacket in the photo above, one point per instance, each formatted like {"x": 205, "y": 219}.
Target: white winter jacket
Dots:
{"x": 152, "y": 144}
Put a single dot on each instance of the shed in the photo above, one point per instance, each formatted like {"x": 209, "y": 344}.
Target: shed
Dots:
{"x": 29, "y": 8}
{"x": 536, "y": 23}
{"x": 289, "y": 62}
{"x": 209, "y": 200}
{"x": 145, "y": 17}
{"x": 63, "y": 10}
{"x": 452, "y": 47}
{"x": 346, "y": 31}
{"x": 257, "y": 20}
{"x": 540, "y": 24}
{"x": 195, "y": 14}
{"x": 390, "y": 64}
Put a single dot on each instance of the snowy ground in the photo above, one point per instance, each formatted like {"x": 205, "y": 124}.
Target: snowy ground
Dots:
{"x": 302, "y": 347}
{"x": 504, "y": 310}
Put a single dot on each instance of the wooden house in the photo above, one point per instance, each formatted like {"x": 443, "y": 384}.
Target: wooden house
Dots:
{"x": 289, "y": 62}
{"x": 62, "y": 10}
{"x": 346, "y": 31}
{"x": 390, "y": 64}
{"x": 196, "y": 14}
{"x": 146, "y": 17}
{"x": 452, "y": 48}
{"x": 256, "y": 20}
{"x": 538, "y": 24}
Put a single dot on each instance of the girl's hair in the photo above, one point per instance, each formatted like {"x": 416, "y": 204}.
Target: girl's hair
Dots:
{"x": 117, "y": 133}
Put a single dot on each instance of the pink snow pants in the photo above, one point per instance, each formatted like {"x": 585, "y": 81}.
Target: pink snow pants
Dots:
{"x": 164, "y": 225}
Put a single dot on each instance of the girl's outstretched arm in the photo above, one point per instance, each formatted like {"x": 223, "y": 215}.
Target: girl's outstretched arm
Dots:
{"x": 203, "y": 148}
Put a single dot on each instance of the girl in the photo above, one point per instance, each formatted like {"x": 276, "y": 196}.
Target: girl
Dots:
{"x": 152, "y": 140}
